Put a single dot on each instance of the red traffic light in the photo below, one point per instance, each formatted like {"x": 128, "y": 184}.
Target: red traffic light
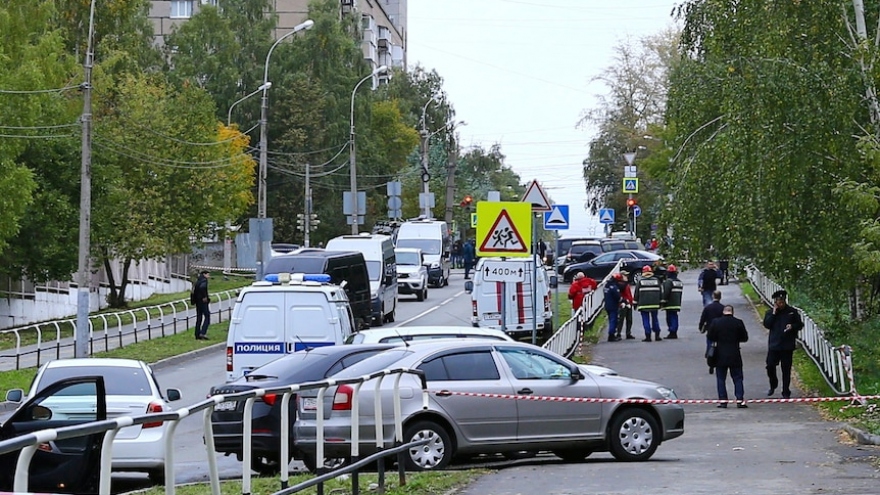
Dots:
{"x": 467, "y": 201}
{"x": 630, "y": 202}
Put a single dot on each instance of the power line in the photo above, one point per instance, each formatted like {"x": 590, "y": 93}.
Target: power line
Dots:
{"x": 37, "y": 91}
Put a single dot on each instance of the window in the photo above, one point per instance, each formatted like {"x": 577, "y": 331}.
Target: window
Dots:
{"x": 117, "y": 380}
{"x": 181, "y": 9}
{"x": 465, "y": 366}
{"x": 526, "y": 365}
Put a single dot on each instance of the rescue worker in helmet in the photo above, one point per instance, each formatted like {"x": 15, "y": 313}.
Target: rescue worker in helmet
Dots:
{"x": 647, "y": 299}
{"x": 670, "y": 300}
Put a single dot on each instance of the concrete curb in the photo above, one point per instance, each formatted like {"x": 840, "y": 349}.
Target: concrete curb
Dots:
{"x": 860, "y": 436}
{"x": 174, "y": 360}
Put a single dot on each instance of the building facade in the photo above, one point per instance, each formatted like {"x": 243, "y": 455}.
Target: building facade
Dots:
{"x": 382, "y": 22}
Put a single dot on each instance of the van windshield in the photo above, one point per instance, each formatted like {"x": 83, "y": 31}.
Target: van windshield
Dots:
{"x": 375, "y": 269}
{"x": 405, "y": 258}
{"x": 295, "y": 264}
{"x": 428, "y": 246}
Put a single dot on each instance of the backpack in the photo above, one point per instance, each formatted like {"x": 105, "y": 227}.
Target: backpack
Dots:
{"x": 192, "y": 294}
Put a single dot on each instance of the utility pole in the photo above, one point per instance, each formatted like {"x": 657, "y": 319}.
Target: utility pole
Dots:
{"x": 426, "y": 176}
{"x": 451, "y": 166}
{"x": 83, "y": 282}
{"x": 307, "y": 219}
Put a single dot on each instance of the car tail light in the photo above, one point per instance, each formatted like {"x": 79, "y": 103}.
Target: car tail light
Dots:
{"x": 474, "y": 307}
{"x": 547, "y": 303}
{"x": 229, "y": 359}
{"x": 269, "y": 399}
{"x": 342, "y": 399}
{"x": 154, "y": 407}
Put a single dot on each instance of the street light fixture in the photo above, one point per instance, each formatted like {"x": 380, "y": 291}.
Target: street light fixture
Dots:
{"x": 264, "y": 110}
{"x": 351, "y": 151}
{"x": 266, "y": 85}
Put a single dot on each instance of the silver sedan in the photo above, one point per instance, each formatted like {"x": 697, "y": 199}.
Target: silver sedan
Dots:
{"x": 488, "y": 397}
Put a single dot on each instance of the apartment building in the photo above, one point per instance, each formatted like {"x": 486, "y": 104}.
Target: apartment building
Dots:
{"x": 383, "y": 23}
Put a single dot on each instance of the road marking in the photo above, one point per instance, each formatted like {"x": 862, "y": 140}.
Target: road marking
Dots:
{"x": 428, "y": 311}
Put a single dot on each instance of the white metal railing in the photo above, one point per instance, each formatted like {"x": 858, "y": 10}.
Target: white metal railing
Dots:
{"x": 106, "y": 328}
{"x": 29, "y": 443}
{"x": 835, "y": 363}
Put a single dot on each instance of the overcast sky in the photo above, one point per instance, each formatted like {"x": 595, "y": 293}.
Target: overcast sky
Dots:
{"x": 519, "y": 73}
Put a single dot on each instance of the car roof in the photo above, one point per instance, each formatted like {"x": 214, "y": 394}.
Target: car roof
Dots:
{"x": 77, "y": 362}
{"x": 586, "y": 242}
{"x": 407, "y": 250}
{"x": 435, "y": 330}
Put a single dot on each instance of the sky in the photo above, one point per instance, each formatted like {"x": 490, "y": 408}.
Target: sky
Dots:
{"x": 521, "y": 73}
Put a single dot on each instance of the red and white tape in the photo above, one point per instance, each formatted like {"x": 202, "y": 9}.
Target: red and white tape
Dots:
{"x": 860, "y": 398}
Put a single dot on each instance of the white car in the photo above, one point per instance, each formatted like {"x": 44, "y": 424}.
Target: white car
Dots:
{"x": 398, "y": 335}
{"x": 412, "y": 273}
{"x": 131, "y": 390}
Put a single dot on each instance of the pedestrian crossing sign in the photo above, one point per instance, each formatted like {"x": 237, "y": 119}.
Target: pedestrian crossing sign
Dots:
{"x": 504, "y": 228}
{"x": 630, "y": 185}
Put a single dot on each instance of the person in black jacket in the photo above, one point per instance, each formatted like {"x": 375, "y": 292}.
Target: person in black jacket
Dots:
{"x": 727, "y": 333}
{"x": 711, "y": 311}
{"x": 203, "y": 307}
{"x": 784, "y": 323}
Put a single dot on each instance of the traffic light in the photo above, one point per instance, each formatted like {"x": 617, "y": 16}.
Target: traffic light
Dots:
{"x": 630, "y": 202}
{"x": 468, "y": 199}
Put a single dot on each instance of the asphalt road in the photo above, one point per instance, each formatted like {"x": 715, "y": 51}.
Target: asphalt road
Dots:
{"x": 766, "y": 449}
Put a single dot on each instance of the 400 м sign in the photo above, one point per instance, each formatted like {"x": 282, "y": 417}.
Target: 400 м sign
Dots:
{"x": 499, "y": 271}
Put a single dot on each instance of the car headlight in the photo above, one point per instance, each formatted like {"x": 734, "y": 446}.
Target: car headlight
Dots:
{"x": 435, "y": 265}
{"x": 374, "y": 295}
{"x": 667, "y": 393}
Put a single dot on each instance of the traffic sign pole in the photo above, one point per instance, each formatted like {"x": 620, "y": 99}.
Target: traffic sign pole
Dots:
{"x": 535, "y": 279}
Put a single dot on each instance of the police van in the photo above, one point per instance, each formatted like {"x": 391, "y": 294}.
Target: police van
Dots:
{"x": 283, "y": 314}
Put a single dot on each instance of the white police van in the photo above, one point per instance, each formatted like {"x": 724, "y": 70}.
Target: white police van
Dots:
{"x": 284, "y": 314}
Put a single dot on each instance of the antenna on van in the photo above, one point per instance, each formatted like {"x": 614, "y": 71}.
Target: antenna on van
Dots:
{"x": 306, "y": 347}
{"x": 402, "y": 338}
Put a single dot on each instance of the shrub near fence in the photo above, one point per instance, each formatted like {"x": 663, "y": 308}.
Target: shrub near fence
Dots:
{"x": 32, "y": 345}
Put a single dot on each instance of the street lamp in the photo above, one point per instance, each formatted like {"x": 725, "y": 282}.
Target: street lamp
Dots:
{"x": 351, "y": 151}
{"x": 264, "y": 110}
{"x": 426, "y": 177}
{"x": 266, "y": 85}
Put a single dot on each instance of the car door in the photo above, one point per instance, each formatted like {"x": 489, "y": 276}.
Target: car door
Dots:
{"x": 479, "y": 419}
{"x": 68, "y": 465}
{"x": 535, "y": 373}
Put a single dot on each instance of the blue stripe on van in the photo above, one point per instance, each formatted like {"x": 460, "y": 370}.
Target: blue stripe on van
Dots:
{"x": 305, "y": 345}
{"x": 259, "y": 348}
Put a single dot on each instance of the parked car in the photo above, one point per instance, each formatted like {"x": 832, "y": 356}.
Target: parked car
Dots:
{"x": 458, "y": 423}
{"x": 131, "y": 389}
{"x": 399, "y": 335}
{"x": 300, "y": 367}
{"x": 412, "y": 272}
{"x": 599, "y": 267}
{"x": 58, "y": 466}
{"x": 580, "y": 251}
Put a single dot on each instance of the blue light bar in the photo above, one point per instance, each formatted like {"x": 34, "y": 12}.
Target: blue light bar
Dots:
{"x": 307, "y": 277}
{"x": 272, "y": 277}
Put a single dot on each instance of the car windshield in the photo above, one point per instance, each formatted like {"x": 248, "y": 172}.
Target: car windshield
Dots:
{"x": 295, "y": 264}
{"x": 375, "y": 363}
{"x": 375, "y": 269}
{"x": 408, "y": 258}
{"x": 118, "y": 380}
{"x": 428, "y": 246}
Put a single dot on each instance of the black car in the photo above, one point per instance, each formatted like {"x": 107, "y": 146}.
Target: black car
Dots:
{"x": 300, "y": 367}
{"x": 599, "y": 267}
{"x": 70, "y": 465}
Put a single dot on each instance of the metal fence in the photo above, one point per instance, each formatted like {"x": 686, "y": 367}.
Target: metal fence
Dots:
{"x": 106, "y": 330}
{"x": 835, "y": 362}
{"x": 29, "y": 443}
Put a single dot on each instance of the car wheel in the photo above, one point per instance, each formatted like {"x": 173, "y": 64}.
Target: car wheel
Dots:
{"x": 634, "y": 435}
{"x": 266, "y": 465}
{"x": 420, "y": 295}
{"x": 432, "y": 456}
{"x": 157, "y": 476}
{"x": 572, "y": 455}
{"x": 392, "y": 315}
{"x": 446, "y": 279}
{"x": 378, "y": 322}
{"x": 329, "y": 464}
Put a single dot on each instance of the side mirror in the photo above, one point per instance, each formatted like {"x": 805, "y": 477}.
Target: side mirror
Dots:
{"x": 577, "y": 374}
{"x": 15, "y": 395}
{"x": 469, "y": 286}
{"x": 554, "y": 281}
{"x": 172, "y": 394}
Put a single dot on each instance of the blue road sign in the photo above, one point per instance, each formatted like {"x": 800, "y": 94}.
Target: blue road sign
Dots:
{"x": 637, "y": 210}
{"x": 606, "y": 215}
{"x": 556, "y": 218}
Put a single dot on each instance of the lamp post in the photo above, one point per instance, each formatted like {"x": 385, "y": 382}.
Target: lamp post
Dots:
{"x": 261, "y": 180}
{"x": 426, "y": 177}
{"x": 351, "y": 151}
{"x": 262, "y": 87}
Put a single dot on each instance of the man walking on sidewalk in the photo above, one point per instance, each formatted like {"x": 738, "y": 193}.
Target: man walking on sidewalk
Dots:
{"x": 203, "y": 307}
{"x": 784, "y": 323}
{"x": 727, "y": 333}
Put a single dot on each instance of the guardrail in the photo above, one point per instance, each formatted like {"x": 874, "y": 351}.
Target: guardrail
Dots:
{"x": 29, "y": 443}
{"x": 835, "y": 362}
{"x": 109, "y": 330}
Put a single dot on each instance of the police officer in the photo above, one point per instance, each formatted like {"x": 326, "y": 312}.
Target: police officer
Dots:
{"x": 647, "y": 299}
{"x": 671, "y": 300}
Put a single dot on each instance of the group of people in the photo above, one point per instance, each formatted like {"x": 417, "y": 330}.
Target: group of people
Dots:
{"x": 464, "y": 255}
{"x": 725, "y": 333}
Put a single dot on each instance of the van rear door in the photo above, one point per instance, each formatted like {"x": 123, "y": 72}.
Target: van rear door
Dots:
{"x": 310, "y": 321}
{"x": 256, "y": 332}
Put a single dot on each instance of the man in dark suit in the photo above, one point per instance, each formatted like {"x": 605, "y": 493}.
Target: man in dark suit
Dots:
{"x": 710, "y": 312}
{"x": 727, "y": 333}
{"x": 784, "y": 323}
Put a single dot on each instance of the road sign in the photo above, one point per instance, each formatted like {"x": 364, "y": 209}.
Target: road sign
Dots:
{"x": 606, "y": 215}
{"x": 557, "y": 218}
{"x": 536, "y": 196}
{"x": 504, "y": 228}
{"x": 499, "y": 271}
{"x": 473, "y": 220}
{"x": 637, "y": 210}
{"x": 630, "y": 185}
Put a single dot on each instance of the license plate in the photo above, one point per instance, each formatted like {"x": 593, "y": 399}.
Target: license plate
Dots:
{"x": 309, "y": 404}
{"x": 491, "y": 316}
{"x": 226, "y": 406}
